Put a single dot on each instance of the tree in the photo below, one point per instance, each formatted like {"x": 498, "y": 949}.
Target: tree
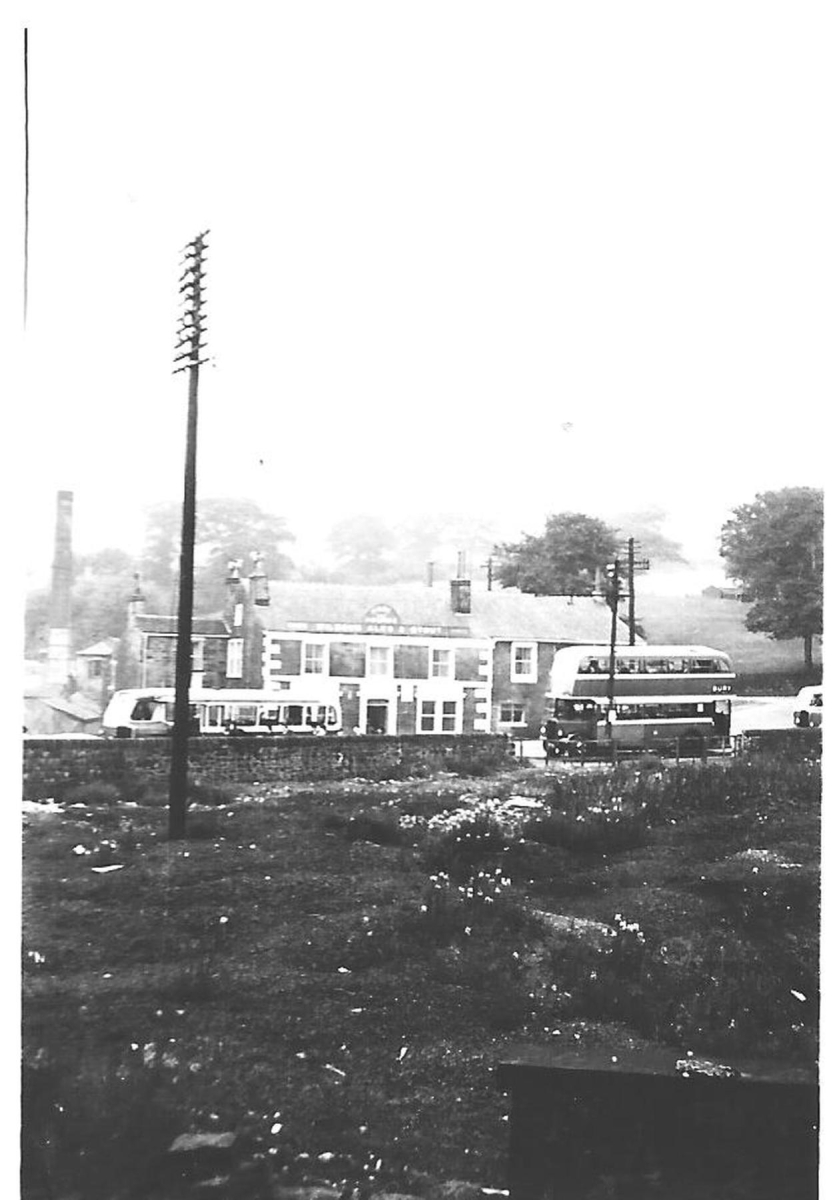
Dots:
{"x": 364, "y": 546}
{"x": 774, "y": 546}
{"x": 439, "y": 538}
{"x": 566, "y": 559}
{"x": 36, "y": 623}
{"x": 645, "y": 527}
{"x": 224, "y": 530}
{"x": 102, "y": 586}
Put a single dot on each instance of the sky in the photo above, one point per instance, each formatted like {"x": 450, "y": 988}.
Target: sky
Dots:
{"x": 502, "y": 259}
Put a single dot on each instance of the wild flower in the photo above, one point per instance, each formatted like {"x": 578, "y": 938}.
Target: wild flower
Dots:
{"x": 486, "y": 817}
{"x": 446, "y": 900}
{"x": 623, "y": 926}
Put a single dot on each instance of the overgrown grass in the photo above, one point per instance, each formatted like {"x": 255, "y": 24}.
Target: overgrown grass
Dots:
{"x": 334, "y": 972}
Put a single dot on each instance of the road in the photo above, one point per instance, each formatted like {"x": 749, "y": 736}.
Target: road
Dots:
{"x": 748, "y": 712}
{"x": 762, "y": 712}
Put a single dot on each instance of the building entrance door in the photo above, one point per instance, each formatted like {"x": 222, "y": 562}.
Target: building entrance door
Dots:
{"x": 377, "y": 716}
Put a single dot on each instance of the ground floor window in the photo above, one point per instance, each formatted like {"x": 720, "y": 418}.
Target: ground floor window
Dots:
{"x": 438, "y": 716}
{"x": 512, "y": 713}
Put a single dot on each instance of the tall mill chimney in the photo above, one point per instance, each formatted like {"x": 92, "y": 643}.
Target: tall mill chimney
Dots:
{"x": 59, "y": 653}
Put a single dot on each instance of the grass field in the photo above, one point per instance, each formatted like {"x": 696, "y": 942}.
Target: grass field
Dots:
{"x": 764, "y": 666}
{"x": 332, "y": 971}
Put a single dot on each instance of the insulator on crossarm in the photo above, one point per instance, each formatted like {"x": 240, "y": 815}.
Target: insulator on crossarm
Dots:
{"x": 190, "y": 353}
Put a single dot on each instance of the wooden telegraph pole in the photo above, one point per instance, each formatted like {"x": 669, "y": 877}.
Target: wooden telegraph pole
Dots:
{"x": 188, "y": 355}
{"x": 613, "y": 600}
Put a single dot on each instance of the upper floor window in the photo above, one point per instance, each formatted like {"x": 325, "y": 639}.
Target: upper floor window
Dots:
{"x": 524, "y": 662}
{"x": 380, "y": 659}
{"x": 197, "y": 654}
{"x": 441, "y": 665}
{"x": 314, "y": 662}
{"x": 235, "y": 658}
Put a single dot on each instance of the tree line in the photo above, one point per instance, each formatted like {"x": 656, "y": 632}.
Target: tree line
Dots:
{"x": 773, "y": 546}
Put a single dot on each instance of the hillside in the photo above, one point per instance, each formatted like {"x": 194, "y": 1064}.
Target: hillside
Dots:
{"x": 763, "y": 665}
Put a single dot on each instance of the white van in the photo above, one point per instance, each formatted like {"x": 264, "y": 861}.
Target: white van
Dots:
{"x": 807, "y": 708}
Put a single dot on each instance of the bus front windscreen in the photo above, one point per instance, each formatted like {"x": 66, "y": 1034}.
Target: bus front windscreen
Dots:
{"x": 574, "y": 710}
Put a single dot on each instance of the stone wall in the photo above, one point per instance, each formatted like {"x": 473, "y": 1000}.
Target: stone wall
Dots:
{"x": 51, "y": 766}
{"x": 790, "y": 743}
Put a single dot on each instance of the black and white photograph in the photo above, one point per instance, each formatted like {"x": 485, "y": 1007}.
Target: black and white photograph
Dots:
{"x": 415, "y": 493}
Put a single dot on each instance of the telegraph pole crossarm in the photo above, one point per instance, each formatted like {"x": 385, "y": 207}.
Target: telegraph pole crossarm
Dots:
{"x": 189, "y": 333}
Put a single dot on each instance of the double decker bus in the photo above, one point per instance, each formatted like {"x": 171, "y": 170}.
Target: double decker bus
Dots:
{"x": 149, "y": 712}
{"x": 654, "y": 697}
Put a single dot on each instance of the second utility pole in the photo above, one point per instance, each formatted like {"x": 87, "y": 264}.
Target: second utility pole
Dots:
{"x": 190, "y": 345}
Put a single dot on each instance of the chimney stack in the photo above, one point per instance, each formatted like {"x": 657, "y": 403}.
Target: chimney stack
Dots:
{"x": 430, "y": 567}
{"x": 258, "y": 580}
{"x": 136, "y": 604}
{"x": 59, "y": 654}
{"x": 460, "y": 588}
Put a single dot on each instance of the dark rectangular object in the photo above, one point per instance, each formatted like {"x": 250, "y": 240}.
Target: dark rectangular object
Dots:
{"x": 410, "y": 661}
{"x": 633, "y": 1122}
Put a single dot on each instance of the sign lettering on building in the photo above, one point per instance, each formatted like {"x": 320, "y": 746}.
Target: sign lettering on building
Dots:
{"x": 379, "y": 627}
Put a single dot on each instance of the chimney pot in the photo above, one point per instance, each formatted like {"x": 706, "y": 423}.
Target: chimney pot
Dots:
{"x": 460, "y": 595}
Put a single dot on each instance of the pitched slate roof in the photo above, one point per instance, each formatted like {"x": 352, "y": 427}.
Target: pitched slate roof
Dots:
{"x": 100, "y": 649}
{"x": 78, "y": 707}
{"x": 502, "y": 613}
{"x": 201, "y": 626}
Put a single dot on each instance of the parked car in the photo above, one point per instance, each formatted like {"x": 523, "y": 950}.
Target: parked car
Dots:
{"x": 807, "y": 708}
